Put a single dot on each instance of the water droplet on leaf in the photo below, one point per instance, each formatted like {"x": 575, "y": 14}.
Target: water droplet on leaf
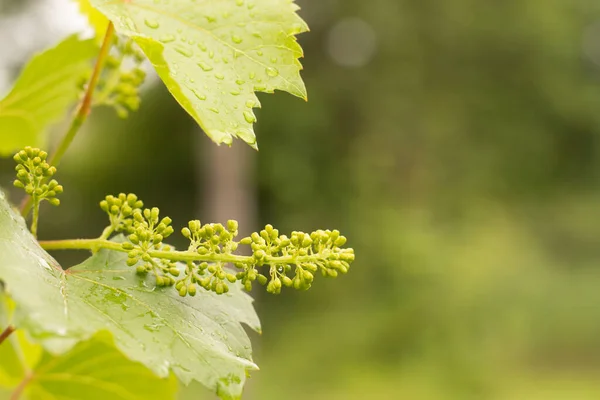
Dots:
{"x": 249, "y": 117}
{"x": 272, "y": 72}
{"x": 151, "y": 23}
{"x": 205, "y": 66}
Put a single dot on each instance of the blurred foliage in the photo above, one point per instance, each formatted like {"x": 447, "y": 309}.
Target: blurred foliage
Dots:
{"x": 462, "y": 162}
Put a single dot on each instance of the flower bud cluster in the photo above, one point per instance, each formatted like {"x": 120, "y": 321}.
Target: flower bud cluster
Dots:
{"x": 34, "y": 176}
{"x": 304, "y": 253}
{"x": 205, "y": 240}
{"x": 292, "y": 261}
{"x": 147, "y": 233}
{"x": 119, "y": 87}
{"x": 120, "y": 210}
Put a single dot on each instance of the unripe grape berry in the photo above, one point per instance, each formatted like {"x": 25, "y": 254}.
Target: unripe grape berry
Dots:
{"x": 183, "y": 291}
{"x": 231, "y": 278}
{"x": 191, "y": 289}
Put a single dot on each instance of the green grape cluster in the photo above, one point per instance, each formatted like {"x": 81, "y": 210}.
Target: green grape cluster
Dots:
{"x": 119, "y": 87}
{"x": 210, "y": 260}
{"x": 34, "y": 175}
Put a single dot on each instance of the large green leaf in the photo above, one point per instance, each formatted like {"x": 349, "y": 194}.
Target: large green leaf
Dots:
{"x": 47, "y": 86}
{"x": 195, "y": 337}
{"x": 213, "y": 55}
{"x": 92, "y": 370}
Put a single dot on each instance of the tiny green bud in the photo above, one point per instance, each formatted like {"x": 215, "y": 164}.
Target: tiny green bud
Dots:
{"x": 231, "y": 277}
{"x": 307, "y": 276}
{"x": 246, "y": 241}
{"x": 262, "y": 279}
{"x": 131, "y": 261}
{"x": 232, "y": 225}
{"x": 174, "y": 271}
{"x": 127, "y": 246}
{"x": 191, "y": 289}
{"x": 183, "y": 291}
{"x": 340, "y": 241}
{"x": 186, "y": 233}
{"x": 54, "y": 201}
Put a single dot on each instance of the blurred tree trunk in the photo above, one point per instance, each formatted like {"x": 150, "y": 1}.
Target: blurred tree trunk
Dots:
{"x": 227, "y": 183}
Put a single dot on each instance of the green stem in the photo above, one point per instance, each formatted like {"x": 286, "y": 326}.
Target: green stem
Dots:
{"x": 183, "y": 256}
{"x": 83, "y": 111}
{"x": 36, "y": 216}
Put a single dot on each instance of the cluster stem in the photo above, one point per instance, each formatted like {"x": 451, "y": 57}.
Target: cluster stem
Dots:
{"x": 173, "y": 255}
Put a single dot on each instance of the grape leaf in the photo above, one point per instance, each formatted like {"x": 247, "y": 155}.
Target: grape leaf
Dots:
{"x": 96, "y": 19}
{"x": 41, "y": 95}
{"x": 92, "y": 370}
{"x": 213, "y": 55}
{"x": 197, "y": 337}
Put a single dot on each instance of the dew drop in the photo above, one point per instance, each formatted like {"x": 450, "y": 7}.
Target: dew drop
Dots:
{"x": 226, "y": 60}
{"x": 236, "y": 39}
{"x": 249, "y": 117}
{"x": 239, "y": 2}
{"x": 216, "y": 111}
{"x": 210, "y": 18}
{"x": 167, "y": 38}
{"x": 257, "y": 35}
{"x": 205, "y": 66}
{"x": 259, "y": 52}
{"x": 211, "y": 54}
{"x": 219, "y": 76}
{"x": 240, "y": 82}
{"x": 273, "y": 60}
{"x": 252, "y": 75}
{"x": 235, "y": 92}
{"x": 184, "y": 51}
{"x": 260, "y": 88}
{"x": 250, "y": 103}
{"x": 251, "y": 6}
{"x": 151, "y": 23}
{"x": 272, "y": 72}
{"x": 199, "y": 95}
{"x": 202, "y": 46}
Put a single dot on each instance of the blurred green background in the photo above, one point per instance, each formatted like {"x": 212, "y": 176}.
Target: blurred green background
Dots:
{"x": 457, "y": 145}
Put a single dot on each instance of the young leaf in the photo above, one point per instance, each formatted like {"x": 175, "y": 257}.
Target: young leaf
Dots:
{"x": 92, "y": 370}
{"x": 213, "y": 55}
{"x": 197, "y": 337}
{"x": 47, "y": 86}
